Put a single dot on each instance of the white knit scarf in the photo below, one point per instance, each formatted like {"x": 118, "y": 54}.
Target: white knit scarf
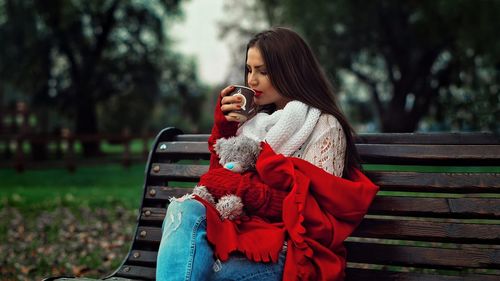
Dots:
{"x": 286, "y": 129}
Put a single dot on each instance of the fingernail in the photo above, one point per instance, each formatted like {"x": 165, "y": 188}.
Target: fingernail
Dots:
{"x": 238, "y": 106}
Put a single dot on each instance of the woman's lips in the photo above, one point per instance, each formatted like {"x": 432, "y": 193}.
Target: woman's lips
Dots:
{"x": 257, "y": 93}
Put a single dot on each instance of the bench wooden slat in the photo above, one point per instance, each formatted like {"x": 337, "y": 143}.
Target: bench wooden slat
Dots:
{"x": 153, "y": 215}
{"x": 141, "y": 257}
{"x": 357, "y": 274}
{"x": 192, "y": 137}
{"x": 396, "y": 229}
{"x": 433, "y": 231}
{"x": 430, "y": 154}
{"x": 407, "y": 181}
{"x": 468, "y": 257}
{"x": 437, "y": 182}
{"x": 163, "y": 193}
{"x": 429, "y": 138}
{"x": 136, "y": 272}
{"x": 148, "y": 234}
{"x": 148, "y": 273}
{"x": 184, "y": 147}
{"x": 352, "y": 274}
{"x": 378, "y": 153}
{"x": 178, "y": 171}
{"x": 478, "y": 208}
{"x": 398, "y": 138}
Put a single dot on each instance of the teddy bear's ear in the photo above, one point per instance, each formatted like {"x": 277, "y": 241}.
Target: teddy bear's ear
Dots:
{"x": 219, "y": 143}
{"x": 250, "y": 146}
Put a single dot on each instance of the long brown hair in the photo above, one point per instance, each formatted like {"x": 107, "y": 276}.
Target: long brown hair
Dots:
{"x": 296, "y": 74}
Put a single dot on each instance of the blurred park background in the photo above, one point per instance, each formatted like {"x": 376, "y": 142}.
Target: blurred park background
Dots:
{"x": 85, "y": 86}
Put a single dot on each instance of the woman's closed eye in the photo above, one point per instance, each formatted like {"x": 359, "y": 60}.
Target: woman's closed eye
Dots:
{"x": 262, "y": 71}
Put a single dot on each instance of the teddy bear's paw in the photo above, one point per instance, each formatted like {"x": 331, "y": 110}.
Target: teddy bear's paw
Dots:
{"x": 203, "y": 192}
{"x": 234, "y": 167}
{"x": 229, "y": 207}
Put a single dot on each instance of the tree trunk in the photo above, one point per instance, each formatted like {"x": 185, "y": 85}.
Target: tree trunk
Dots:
{"x": 398, "y": 118}
{"x": 86, "y": 124}
{"x": 398, "y": 122}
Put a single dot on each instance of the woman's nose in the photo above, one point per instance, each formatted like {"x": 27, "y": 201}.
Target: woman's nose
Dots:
{"x": 251, "y": 79}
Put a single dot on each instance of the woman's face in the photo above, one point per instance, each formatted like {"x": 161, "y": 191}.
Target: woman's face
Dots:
{"x": 259, "y": 81}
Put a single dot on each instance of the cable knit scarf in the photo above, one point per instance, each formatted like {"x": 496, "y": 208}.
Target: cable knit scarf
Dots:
{"x": 286, "y": 129}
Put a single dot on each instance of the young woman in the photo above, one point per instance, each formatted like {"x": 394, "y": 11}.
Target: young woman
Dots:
{"x": 306, "y": 195}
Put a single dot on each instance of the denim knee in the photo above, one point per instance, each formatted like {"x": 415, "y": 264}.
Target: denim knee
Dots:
{"x": 188, "y": 210}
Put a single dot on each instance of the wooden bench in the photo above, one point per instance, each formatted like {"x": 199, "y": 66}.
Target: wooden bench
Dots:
{"x": 430, "y": 224}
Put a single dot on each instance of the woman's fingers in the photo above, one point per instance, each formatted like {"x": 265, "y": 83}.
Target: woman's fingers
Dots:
{"x": 230, "y": 107}
{"x": 230, "y": 103}
{"x": 231, "y": 99}
{"x": 226, "y": 90}
{"x": 232, "y": 118}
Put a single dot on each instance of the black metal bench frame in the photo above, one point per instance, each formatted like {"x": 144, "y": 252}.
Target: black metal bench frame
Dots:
{"x": 423, "y": 225}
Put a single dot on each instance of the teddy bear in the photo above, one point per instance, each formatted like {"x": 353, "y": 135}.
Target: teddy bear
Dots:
{"x": 237, "y": 154}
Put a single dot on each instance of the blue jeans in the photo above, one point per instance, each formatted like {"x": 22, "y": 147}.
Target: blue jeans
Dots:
{"x": 185, "y": 253}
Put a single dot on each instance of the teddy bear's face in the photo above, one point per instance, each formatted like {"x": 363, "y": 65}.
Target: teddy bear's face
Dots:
{"x": 238, "y": 153}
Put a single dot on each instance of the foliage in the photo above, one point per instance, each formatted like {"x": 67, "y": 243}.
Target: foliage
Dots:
{"x": 417, "y": 59}
{"x": 56, "y": 223}
{"x": 81, "y": 242}
{"x": 103, "y": 64}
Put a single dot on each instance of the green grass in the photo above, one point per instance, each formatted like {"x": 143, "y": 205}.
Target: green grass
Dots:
{"x": 88, "y": 186}
{"x": 136, "y": 147}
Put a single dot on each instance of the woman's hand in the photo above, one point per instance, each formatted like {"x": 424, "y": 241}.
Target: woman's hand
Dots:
{"x": 230, "y": 103}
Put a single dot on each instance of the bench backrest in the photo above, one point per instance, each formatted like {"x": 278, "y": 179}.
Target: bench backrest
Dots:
{"x": 425, "y": 224}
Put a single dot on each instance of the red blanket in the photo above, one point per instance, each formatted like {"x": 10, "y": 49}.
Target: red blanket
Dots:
{"x": 319, "y": 212}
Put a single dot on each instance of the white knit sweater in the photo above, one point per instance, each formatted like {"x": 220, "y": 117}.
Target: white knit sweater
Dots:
{"x": 326, "y": 145}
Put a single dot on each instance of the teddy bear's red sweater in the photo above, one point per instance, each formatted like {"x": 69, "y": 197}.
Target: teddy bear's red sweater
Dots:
{"x": 286, "y": 199}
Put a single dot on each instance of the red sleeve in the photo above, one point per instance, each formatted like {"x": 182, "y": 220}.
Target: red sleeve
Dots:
{"x": 262, "y": 192}
{"x": 221, "y": 129}
{"x": 258, "y": 198}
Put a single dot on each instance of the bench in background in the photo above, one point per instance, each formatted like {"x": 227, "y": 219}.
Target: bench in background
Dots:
{"x": 427, "y": 223}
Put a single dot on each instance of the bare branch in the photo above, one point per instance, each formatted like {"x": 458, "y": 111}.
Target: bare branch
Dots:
{"x": 423, "y": 101}
{"x": 373, "y": 87}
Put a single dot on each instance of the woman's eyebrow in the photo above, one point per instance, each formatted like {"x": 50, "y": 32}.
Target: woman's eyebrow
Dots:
{"x": 258, "y": 66}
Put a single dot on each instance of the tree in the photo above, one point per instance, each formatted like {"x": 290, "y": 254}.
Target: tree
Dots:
{"x": 95, "y": 54}
{"x": 411, "y": 55}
